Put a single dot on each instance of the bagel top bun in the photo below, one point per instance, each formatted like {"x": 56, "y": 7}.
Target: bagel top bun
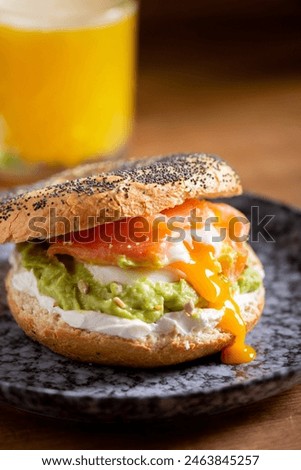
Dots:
{"x": 121, "y": 188}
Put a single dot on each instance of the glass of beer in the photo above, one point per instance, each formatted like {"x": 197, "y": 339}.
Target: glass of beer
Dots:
{"x": 66, "y": 82}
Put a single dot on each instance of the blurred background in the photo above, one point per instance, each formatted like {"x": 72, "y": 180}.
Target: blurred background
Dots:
{"x": 224, "y": 77}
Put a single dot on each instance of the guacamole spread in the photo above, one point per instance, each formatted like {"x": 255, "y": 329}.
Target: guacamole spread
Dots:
{"x": 249, "y": 281}
{"x": 73, "y": 287}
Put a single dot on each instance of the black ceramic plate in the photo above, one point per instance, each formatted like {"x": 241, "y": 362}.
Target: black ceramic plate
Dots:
{"x": 35, "y": 379}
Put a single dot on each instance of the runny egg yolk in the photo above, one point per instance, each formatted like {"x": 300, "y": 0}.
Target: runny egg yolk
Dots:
{"x": 203, "y": 274}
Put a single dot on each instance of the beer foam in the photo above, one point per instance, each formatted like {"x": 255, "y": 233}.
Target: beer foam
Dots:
{"x": 63, "y": 14}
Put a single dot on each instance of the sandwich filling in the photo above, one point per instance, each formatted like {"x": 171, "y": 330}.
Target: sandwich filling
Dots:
{"x": 188, "y": 265}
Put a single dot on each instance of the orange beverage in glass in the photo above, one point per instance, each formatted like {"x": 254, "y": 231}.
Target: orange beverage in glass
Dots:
{"x": 66, "y": 81}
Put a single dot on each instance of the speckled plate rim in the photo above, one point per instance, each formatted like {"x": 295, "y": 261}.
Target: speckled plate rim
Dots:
{"x": 270, "y": 200}
{"x": 204, "y": 402}
{"x": 293, "y": 376}
{"x": 290, "y": 373}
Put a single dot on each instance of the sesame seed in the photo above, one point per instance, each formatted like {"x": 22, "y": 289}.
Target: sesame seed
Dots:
{"x": 119, "y": 302}
{"x": 189, "y": 307}
{"x": 83, "y": 287}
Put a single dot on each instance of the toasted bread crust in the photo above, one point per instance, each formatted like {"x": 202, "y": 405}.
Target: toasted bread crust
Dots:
{"x": 133, "y": 188}
{"x": 50, "y": 330}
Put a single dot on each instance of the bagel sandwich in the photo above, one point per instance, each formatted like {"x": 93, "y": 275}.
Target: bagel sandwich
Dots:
{"x": 131, "y": 263}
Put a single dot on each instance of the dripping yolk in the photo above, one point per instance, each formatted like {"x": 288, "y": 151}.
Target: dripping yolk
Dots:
{"x": 203, "y": 274}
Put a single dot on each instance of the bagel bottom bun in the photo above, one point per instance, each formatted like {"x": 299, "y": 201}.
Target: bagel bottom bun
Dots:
{"x": 52, "y": 331}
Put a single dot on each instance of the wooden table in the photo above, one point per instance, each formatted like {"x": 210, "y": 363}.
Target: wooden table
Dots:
{"x": 235, "y": 104}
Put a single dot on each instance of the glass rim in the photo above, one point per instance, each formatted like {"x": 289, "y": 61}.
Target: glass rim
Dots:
{"x": 100, "y": 15}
